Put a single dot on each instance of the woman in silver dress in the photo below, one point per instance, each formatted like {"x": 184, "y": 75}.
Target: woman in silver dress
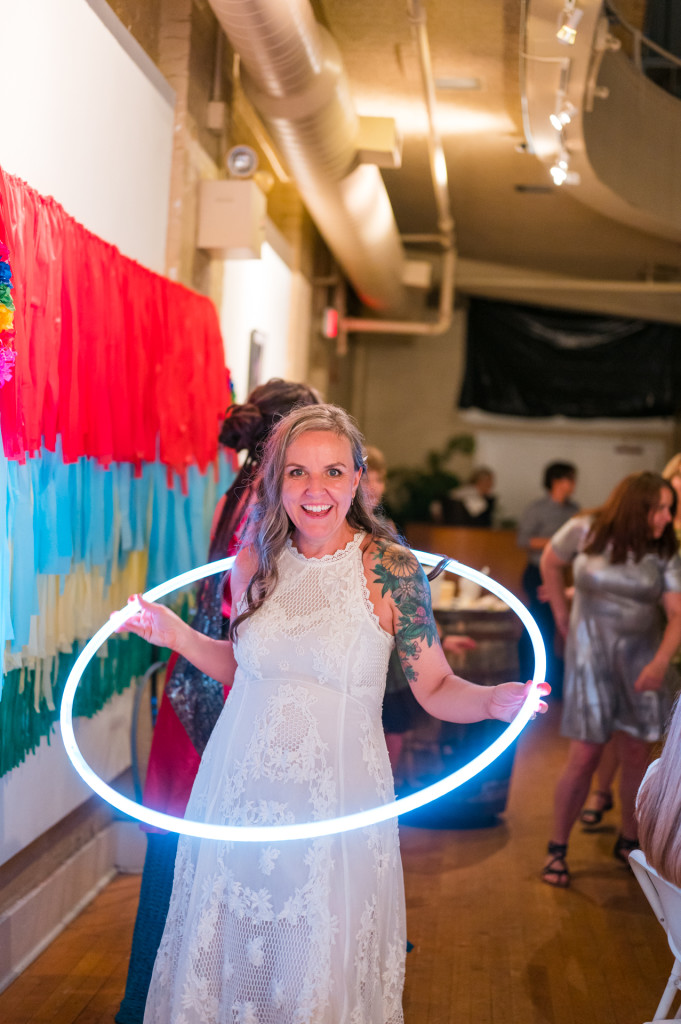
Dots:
{"x": 304, "y": 931}
{"x": 618, "y": 678}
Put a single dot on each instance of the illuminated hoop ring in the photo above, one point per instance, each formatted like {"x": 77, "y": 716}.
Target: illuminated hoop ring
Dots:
{"x": 313, "y": 829}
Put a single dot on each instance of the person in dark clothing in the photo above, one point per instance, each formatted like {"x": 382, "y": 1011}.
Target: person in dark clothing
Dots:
{"x": 538, "y": 523}
{"x": 473, "y": 504}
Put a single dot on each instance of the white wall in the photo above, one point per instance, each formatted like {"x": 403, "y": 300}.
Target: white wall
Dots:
{"x": 603, "y": 451}
{"x": 89, "y": 120}
{"x": 45, "y": 788}
{"x": 265, "y": 295}
{"x": 406, "y": 394}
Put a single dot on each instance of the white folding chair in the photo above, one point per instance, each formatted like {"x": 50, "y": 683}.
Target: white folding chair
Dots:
{"x": 665, "y": 899}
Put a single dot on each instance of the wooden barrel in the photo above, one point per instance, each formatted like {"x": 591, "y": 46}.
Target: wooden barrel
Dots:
{"x": 435, "y": 749}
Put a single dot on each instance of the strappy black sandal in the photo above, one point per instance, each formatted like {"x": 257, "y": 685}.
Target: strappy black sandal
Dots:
{"x": 592, "y": 816}
{"x": 556, "y": 872}
{"x": 623, "y": 847}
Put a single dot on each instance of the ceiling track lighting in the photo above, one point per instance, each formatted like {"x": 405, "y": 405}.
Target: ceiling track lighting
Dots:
{"x": 569, "y": 19}
{"x": 560, "y": 171}
{"x": 563, "y": 114}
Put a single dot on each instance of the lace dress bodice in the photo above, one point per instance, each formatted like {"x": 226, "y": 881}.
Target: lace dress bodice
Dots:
{"x": 310, "y": 931}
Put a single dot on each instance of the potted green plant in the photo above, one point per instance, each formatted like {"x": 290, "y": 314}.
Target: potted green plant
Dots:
{"x": 412, "y": 490}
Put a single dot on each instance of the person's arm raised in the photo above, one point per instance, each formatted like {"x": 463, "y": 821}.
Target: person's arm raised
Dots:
{"x": 442, "y": 693}
{"x": 163, "y": 628}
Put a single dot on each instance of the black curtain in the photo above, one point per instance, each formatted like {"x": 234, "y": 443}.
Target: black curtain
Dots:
{"x": 529, "y": 361}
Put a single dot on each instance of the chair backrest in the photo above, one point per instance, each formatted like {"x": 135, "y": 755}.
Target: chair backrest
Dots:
{"x": 663, "y": 896}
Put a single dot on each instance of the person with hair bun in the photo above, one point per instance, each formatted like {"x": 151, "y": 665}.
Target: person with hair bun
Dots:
{"x": 307, "y": 931}
{"x": 192, "y": 701}
{"x": 619, "y": 679}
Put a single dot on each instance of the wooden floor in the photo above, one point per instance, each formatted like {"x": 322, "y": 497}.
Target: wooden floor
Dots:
{"x": 492, "y": 944}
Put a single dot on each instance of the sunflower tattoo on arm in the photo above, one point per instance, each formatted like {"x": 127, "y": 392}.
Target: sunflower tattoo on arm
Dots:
{"x": 400, "y": 574}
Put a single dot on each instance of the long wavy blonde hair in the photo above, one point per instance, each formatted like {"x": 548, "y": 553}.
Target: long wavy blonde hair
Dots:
{"x": 658, "y": 806}
{"x": 269, "y": 525}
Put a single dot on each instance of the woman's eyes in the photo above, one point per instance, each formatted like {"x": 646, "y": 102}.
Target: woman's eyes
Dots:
{"x": 298, "y": 472}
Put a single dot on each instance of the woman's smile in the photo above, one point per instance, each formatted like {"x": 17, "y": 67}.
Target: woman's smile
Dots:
{"x": 319, "y": 484}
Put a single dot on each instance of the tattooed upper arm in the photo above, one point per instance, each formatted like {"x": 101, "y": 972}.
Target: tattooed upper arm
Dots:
{"x": 399, "y": 574}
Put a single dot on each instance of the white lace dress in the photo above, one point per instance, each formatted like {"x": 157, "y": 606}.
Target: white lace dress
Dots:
{"x": 309, "y": 931}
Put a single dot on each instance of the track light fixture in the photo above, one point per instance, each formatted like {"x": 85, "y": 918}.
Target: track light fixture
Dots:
{"x": 563, "y": 115}
{"x": 570, "y": 17}
{"x": 560, "y": 171}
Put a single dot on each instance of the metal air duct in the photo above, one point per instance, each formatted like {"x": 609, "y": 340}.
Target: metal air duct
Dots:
{"x": 293, "y": 75}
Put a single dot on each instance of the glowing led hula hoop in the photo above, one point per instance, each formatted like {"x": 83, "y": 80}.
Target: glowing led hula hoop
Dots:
{"x": 312, "y": 829}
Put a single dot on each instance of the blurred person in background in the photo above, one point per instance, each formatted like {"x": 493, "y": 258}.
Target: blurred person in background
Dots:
{"x": 619, "y": 680}
{"x": 474, "y": 503}
{"x": 537, "y": 524}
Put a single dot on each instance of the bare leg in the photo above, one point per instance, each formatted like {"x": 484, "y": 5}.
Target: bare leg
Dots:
{"x": 571, "y": 790}
{"x": 573, "y": 786}
{"x": 600, "y": 799}
{"x": 607, "y": 767}
{"x": 634, "y": 755}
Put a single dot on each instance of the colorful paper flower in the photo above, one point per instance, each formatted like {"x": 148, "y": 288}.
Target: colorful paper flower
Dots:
{"x": 7, "y": 354}
{"x": 7, "y": 360}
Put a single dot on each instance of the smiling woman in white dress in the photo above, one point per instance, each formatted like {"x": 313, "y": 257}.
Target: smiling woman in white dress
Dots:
{"x": 305, "y": 931}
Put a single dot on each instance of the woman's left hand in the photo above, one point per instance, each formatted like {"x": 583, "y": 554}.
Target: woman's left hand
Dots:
{"x": 651, "y": 677}
{"x": 506, "y": 700}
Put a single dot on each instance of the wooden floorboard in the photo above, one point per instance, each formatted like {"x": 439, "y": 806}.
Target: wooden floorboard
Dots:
{"x": 492, "y": 944}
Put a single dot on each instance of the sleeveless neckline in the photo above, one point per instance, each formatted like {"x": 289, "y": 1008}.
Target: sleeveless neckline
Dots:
{"x": 335, "y": 556}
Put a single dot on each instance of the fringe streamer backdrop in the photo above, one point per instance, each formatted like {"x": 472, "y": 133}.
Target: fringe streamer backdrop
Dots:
{"x": 111, "y": 469}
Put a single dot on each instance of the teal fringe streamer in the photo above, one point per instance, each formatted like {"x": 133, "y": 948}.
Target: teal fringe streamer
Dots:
{"x": 22, "y": 728}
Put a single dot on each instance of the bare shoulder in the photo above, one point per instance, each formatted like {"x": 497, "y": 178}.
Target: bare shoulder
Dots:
{"x": 391, "y": 563}
{"x": 244, "y": 566}
{"x": 402, "y": 583}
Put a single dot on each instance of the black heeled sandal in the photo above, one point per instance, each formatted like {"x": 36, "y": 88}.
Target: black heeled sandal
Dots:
{"x": 555, "y": 872}
{"x": 623, "y": 847}
{"x": 592, "y": 816}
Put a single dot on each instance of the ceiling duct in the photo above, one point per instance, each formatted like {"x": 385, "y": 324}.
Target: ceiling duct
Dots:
{"x": 292, "y": 73}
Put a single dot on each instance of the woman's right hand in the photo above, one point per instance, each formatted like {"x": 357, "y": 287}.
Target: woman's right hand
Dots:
{"x": 155, "y": 623}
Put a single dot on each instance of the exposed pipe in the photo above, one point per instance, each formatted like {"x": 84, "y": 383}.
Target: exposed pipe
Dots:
{"x": 292, "y": 74}
{"x": 427, "y": 327}
{"x": 438, "y": 167}
{"x": 438, "y": 173}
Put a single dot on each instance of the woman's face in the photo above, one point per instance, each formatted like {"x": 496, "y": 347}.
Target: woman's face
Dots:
{"x": 319, "y": 484}
{"x": 660, "y": 514}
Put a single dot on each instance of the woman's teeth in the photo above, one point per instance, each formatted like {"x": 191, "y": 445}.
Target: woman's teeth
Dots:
{"x": 316, "y": 508}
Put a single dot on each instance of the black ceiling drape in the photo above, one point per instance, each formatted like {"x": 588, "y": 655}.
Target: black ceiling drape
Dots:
{"x": 529, "y": 361}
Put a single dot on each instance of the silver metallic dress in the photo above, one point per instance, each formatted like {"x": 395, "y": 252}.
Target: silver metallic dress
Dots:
{"x": 616, "y": 625}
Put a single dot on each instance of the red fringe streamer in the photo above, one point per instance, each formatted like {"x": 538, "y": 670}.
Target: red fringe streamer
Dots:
{"x": 125, "y": 364}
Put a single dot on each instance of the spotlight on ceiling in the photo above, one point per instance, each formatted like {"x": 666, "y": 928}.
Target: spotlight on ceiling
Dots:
{"x": 559, "y": 173}
{"x": 562, "y": 116}
{"x": 242, "y": 162}
{"x": 569, "y": 19}
{"x": 559, "y": 170}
